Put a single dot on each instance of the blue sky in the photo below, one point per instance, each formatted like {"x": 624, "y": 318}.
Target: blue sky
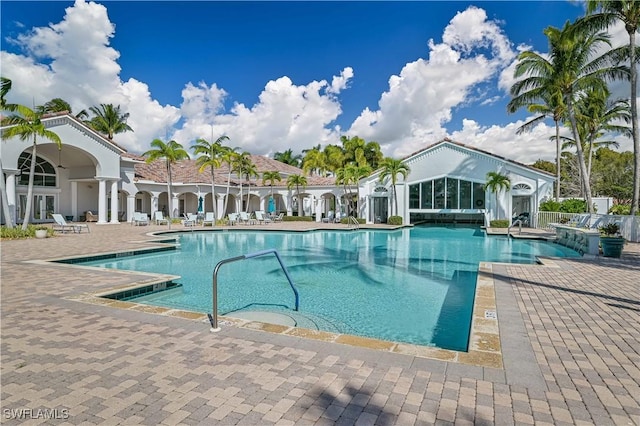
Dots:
{"x": 278, "y": 75}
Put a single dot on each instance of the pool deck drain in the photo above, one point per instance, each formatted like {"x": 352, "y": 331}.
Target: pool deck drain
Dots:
{"x": 569, "y": 337}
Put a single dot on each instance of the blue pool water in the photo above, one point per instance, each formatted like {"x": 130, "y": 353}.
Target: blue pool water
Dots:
{"x": 412, "y": 285}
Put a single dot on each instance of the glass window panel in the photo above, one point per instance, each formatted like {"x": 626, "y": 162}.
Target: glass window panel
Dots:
{"x": 465, "y": 194}
{"x": 414, "y": 196}
{"x": 478, "y": 196}
{"x": 426, "y": 195}
{"x": 49, "y": 181}
{"x": 452, "y": 193}
{"x": 438, "y": 194}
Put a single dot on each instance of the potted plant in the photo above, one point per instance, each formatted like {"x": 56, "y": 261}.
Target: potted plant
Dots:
{"x": 41, "y": 231}
{"x": 610, "y": 240}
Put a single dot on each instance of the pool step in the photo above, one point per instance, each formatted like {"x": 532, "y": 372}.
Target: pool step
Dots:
{"x": 291, "y": 319}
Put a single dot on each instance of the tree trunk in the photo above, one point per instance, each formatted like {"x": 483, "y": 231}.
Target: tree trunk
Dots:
{"x": 226, "y": 200}
{"x": 32, "y": 171}
{"x": 213, "y": 196}
{"x": 634, "y": 124}
{"x": 558, "y": 149}
{"x": 169, "y": 194}
{"x": 581, "y": 164}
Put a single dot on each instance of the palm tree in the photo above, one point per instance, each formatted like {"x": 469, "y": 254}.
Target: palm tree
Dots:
{"x": 210, "y": 156}
{"x": 315, "y": 160}
{"x": 628, "y": 12}
{"x": 5, "y": 87}
{"x": 28, "y": 124}
{"x": 297, "y": 181}
{"x": 108, "y": 120}
{"x": 496, "y": 182}
{"x": 352, "y": 173}
{"x": 569, "y": 69}
{"x": 228, "y": 157}
{"x": 546, "y": 93}
{"x": 171, "y": 152}
{"x": 287, "y": 157}
{"x": 60, "y": 105}
{"x": 244, "y": 167}
{"x": 271, "y": 177}
{"x": 391, "y": 168}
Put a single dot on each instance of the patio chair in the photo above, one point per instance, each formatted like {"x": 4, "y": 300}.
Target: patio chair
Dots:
{"x": 90, "y": 217}
{"x": 139, "y": 219}
{"x": 278, "y": 218}
{"x": 261, "y": 217}
{"x": 329, "y": 217}
{"x": 160, "y": 219}
{"x": 190, "y": 219}
{"x": 61, "y": 225}
{"x": 245, "y": 218}
{"x": 233, "y": 218}
{"x": 210, "y": 218}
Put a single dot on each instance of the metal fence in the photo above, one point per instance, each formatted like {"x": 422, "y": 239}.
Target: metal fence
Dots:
{"x": 629, "y": 225}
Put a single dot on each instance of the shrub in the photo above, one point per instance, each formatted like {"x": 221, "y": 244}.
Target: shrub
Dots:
{"x": 345, "y": 220}
{"x": 394, "y": 220}
{"x": 549, "y": 206}
{"x": 621, "y": 209}
{"x": 18, "y": 233}
{"x": 499, "y": 223}
{"x": 573, "y": 205}
{"x": 297, "y": 219}
{"x": 610, "y": 229}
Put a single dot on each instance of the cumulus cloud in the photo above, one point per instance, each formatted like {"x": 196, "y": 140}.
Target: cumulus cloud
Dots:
{"x": 421, "y": 99}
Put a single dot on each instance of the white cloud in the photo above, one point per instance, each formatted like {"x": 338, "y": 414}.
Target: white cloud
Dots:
{"x": 420, "y": 101}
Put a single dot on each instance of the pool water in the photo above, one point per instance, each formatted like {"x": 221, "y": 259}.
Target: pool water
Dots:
{"x": 411, "y": 285}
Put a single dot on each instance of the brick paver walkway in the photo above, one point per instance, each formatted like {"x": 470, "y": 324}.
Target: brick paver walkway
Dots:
{"x": 570, "y": 336}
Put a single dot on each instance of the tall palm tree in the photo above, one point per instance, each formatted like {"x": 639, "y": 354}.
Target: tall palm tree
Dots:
{"x": 171, "y": 152}
{"x": 210, "y": 155}
{"x": 244, "y": 167}
{"x": 334, "y": 156}
{"x": 228, "y": 157}
{"x": 271, "y": 177}
{"x": 496, "y": 182}
{"x": 570, "y": 68}
{"x": 297, "y": 181}
{"x": 287, "y": 157}
{"x": 627, "y": 12}
{"x": 391, "y": 168}
{"x": 27, "y": 124}
{"x": 5, "y": 87}
{"x": 545, "y": 100}
{"x": 314, "y": 160}
{"x": 351, "y": 175}
{"x": 108, "y": 120}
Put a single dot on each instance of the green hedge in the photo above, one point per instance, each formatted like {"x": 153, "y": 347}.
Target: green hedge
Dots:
{"x": 297, "y": 219}
{"x": 345, "y": 220}
{"x": 18, "y": 233}
{"x": 394, "y": 220}
{"x": 499, "y": 223}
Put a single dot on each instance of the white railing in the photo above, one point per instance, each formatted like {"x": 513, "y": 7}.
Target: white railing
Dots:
{"x": 629, "y": 225}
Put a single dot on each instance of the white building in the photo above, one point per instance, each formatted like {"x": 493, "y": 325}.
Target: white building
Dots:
{"x": 446, "y": 184}
{"x": 92, "y": 177}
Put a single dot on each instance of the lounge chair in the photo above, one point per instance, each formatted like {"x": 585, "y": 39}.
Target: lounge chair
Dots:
{"x": 261, "y": 217}
{"x": 61, "y": 225}
{"x": 190, "y": 219}
{"x": 210, "y": 218}
{"x": 139, "y": 219}
{"x": 90, "y": 217}
{"x": 245, "y": 218}
{"x": 329, "y": 217}
{"x": 278, "y": 218}
{"x": 233, "y": 218}
{"x": 160, "y": 219}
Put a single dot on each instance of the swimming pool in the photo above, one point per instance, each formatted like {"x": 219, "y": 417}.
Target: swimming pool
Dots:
{"x": 411, "y": 285}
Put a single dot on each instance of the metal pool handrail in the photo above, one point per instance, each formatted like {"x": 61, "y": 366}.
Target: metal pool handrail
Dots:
{"x": 213, "y": 317}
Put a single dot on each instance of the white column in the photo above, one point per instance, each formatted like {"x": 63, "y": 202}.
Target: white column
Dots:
{"x": 74, "y": 200}
{"x": 102, "y": 201}
{"x": 131, "y": 206}
{"x": 10, "y": 186}
{"x": 114, "y": 202}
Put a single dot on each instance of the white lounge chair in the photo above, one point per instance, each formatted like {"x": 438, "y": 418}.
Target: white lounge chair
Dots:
{"x": 261, "y": 217}
{"x": 245, "y": 218}
{"x": 278, "y": 218}
{"x": 190, "y": 219}
{"x": 233, "y": 218}
{"x": 61, "y": 225}
{"x": 329, "y": 218}
{"x": 139, "y": 219}
{"x": 209, "y": 218}
{"x": 160, "y": 219}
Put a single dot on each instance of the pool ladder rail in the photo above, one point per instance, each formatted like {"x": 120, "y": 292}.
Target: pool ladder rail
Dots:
{"x": 519, "y": 223}
{"x": 213, "y": 317}
{"x": 352, "y": 222}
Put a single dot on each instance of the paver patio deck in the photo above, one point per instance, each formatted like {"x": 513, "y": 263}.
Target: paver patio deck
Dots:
{"x": 569, "y": 332}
